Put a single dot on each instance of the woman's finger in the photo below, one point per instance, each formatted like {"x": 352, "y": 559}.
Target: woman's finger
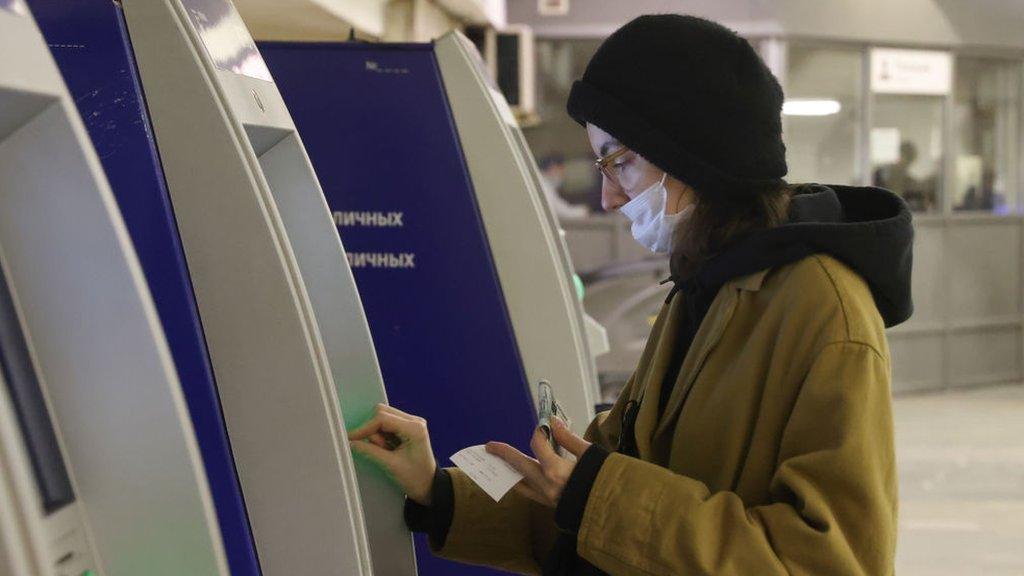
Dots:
{"x": 378, "y": 421}
{"x": 398, "y": 425}
{"x": 566, "y": 439}
{"x": 378, "y": 439}
{"x": 401, "y": 413}
{"x": 379, "y": 455}
{"x": 542, "y": 449}
{"x": 528, "y": 467}
{"x": 371, "y": 426}
{"x": 392, "y": 410}
{"x": 385, "y": 421}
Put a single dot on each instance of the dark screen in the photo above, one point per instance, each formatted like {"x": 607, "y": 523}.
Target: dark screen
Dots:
{"x": 508, "y": 67}
{"x": 476, "y": 34}
{"x": 30, "y": 407}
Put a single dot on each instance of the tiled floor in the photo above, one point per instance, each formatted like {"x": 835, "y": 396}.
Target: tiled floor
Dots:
{"x": 961, "y": 460}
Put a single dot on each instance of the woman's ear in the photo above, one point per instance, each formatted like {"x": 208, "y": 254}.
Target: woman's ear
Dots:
{"x": 680, "y": 194}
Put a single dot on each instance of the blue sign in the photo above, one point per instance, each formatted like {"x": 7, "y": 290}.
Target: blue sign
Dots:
{"x": 90, "y": 43}
{"x": 376, "y": 123}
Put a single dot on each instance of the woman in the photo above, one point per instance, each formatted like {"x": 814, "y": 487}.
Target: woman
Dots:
{"x": 755, "y": 436}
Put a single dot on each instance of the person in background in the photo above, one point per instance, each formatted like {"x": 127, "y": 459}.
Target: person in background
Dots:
{"x": 985, "y": 199}
{"x": 756, "y": 435}
{"x": 552, "y": 170}
{"x": 919, "y": 194}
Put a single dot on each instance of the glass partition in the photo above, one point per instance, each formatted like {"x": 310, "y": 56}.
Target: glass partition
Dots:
{"x": 906, "y": 147}
{"x": 822, "y": 114}
{"x": 985, "y": 131}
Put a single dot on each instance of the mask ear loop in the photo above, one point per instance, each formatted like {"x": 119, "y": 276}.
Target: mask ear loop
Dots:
{"x": 664, "y": 191}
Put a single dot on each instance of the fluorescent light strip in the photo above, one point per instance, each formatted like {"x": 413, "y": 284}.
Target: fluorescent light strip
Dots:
{"x": 811, "y": 107}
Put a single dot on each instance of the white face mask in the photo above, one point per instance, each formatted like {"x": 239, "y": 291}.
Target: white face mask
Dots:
{"x": 652, "y": 228}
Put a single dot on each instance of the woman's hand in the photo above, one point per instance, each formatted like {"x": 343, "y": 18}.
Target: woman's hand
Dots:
{"x": 399, "y": 442}
{"x": 544, "y": 478}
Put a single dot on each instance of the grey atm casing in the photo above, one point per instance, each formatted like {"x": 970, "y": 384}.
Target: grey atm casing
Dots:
{"x": 282, "y": 317}
{"x": 529, "y": 252}
{"x": 142, "y": 504}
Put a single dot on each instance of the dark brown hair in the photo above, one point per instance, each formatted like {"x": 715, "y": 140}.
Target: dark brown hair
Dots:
{"x": 717, "y": 221}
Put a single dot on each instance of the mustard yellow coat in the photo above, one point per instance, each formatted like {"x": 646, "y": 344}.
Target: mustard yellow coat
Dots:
{"x": 780, "y": 460}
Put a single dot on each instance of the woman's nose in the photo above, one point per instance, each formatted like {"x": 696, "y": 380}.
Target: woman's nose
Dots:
{"x": 612, "y": 196}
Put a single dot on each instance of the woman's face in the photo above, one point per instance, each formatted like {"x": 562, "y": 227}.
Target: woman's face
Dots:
{"x": 633, "y": 175}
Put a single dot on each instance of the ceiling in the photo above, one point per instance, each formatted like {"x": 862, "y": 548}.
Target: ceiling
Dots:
{"x": 940, "y": 23}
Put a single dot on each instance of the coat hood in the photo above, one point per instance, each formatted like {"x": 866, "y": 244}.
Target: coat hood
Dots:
{"x": 869, "y": 229}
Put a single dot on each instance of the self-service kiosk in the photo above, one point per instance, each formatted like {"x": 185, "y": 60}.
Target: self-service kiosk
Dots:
{"x": 238, "y": 235}
{"x": 99, "y": 468}
{"x": 465, "y": 279}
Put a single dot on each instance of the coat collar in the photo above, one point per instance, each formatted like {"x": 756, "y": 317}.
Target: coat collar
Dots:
{"x": 707, "y": 337}
{"x": 649, "y": 423}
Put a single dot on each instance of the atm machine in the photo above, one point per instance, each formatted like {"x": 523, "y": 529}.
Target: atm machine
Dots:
{"x": 232, "y": 225}
{"x": 99, "y": 467}
{"x": 465, "y": 279}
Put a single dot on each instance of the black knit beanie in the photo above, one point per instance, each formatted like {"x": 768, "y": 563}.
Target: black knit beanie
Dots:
{"x": 693, "y": 98}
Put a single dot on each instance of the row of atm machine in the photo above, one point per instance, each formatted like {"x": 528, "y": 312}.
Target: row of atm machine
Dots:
{"x": 183, "y": 338}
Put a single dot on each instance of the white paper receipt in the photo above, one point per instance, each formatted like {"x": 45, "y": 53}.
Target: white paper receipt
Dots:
{"x": 490, "y": 473}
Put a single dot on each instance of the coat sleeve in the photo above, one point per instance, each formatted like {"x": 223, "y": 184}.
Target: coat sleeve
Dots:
{"x": 514, "y": 534}
{"x": 832, "y": 507}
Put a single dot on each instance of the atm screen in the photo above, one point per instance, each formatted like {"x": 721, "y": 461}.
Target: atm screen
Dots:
{"x": 508, "y": 67}
{"x": 23, "y": 386}
{"x": 15, "y": 6}
{"x": 226, "y": 38}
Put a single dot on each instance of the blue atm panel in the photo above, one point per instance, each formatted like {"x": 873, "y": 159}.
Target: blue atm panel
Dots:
{"x": 89, "y": 42}
{"x": 377, "y": 126}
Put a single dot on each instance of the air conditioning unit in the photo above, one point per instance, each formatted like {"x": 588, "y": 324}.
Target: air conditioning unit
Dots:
{"x": 509, "y": 56}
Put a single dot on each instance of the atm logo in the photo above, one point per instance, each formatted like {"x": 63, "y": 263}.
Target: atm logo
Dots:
{"x": 376, "y": 68}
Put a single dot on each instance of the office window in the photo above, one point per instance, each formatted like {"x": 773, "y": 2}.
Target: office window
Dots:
{"x": 985, "y": 114}
{"x": 906, "y": 147}
{"x": 907, "y": 143}
{"x": 559, "y": 144}
{"x": 822, "y": 114}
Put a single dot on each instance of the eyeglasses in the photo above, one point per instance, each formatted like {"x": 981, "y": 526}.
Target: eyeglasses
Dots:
{"x": 605, "y": 165}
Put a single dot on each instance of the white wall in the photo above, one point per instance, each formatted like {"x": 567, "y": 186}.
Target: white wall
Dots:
{"x": 312, "y": 20}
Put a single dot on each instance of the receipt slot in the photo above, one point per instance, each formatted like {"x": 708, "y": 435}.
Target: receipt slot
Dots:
{"x": 99, "y": 467}
{"x": 465, "y": 280}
